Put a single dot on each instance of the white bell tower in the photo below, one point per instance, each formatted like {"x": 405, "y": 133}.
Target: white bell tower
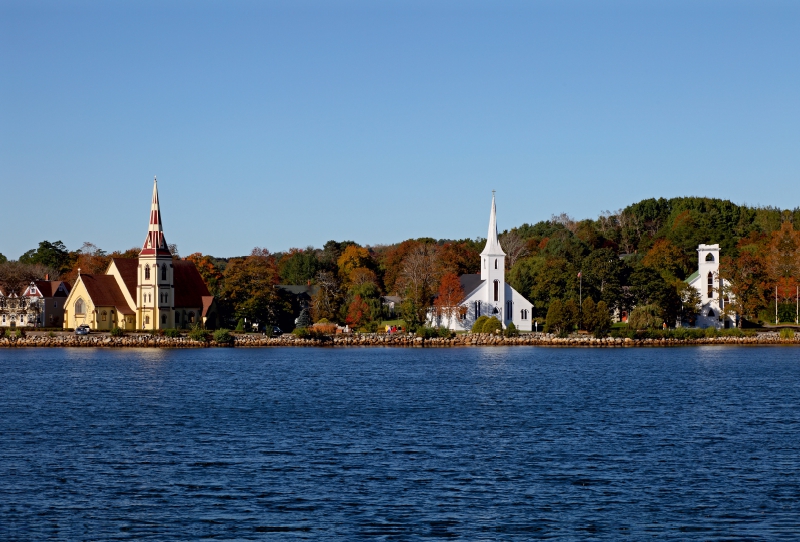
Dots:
{"x": 493, "y": 271}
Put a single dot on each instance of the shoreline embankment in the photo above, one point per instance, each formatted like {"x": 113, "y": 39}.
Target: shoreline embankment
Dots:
{"x": 142, "y": 340}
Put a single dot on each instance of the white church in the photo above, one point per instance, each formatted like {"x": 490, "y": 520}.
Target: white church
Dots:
{"x": 710, "y": 286}
{"x": 487, "y": 293}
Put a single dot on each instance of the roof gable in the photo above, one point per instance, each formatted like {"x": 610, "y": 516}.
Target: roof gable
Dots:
{"x": 105, "y": 292}
{"x": 189, "y": 286}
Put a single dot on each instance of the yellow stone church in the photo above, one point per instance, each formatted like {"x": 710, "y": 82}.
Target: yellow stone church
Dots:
{"x": 151, "y": 292}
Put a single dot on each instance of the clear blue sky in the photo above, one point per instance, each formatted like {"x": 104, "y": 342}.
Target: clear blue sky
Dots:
{"x": 283, "y": 124}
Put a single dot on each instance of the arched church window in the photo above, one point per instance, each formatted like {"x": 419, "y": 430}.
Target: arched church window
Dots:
{"x": 103, "y": 316}
{"x": 709, "y": 257}
{"x": 147, "y": 272}
{"x": 80, "y": 307}
{"x": 710, "y": 285}
{"x": 495, "y": 263}
{"x": 147, "y": 319}
{"x": 164, "y": 272}
{"x": 523, "y": 314}
{"x": 497, "y": 290}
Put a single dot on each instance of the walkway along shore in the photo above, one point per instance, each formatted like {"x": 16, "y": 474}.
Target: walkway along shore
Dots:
{"x": 399, "y": 340}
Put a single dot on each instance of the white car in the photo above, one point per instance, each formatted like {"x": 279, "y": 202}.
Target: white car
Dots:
{"x": 82, "y": 329}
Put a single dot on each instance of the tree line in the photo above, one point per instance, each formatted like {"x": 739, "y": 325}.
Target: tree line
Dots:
{"x": 638, "y": 256}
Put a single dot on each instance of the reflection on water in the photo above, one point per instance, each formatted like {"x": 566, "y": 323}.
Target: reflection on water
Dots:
{"x": 402, "y": 444}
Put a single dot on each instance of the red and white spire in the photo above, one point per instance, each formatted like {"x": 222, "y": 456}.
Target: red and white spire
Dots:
{"x": 155, "y": 244}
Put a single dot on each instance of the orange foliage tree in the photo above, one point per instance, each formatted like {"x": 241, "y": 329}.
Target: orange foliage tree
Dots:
{"x": 357, "y": 312}
{"x": 210, "y": 273}
{"x": 447, "y": 302}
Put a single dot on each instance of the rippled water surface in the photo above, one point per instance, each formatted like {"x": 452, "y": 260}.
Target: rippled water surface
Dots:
{"x": 400, "y": 444}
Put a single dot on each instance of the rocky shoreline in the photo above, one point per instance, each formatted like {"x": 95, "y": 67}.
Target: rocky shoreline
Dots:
{"x": 140, "y": 340}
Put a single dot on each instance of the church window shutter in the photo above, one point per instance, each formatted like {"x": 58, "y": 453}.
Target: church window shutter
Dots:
{"x": 495, "y": 266}
{"x": 496, "y": 290}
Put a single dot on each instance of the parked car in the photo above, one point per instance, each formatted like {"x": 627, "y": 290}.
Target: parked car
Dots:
{"x": 276, "y": 331}
{"x": 82, "y": 329}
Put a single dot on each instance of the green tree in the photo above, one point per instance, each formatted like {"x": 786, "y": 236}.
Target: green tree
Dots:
{"x": 298, "y": 266}
{"x": 572, "y": 315}
{"x": 249, "y": 289}
{"x": 53, "y": 255}
{"x": 556, "y": 321}
{"x": 645, "y": 317}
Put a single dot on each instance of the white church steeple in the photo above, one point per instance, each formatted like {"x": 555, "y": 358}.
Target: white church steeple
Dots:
{"x": 492, "y": 258}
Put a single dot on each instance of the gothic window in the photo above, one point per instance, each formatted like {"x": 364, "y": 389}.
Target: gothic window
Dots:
{"x": 146, "y": 319}
{"x": 80, "y": 308}
{"x": 523, "y": 314}
{"x": 709, "y": 257}
{"x": 710, "y": 285}
{"x": 103, "y": 316}
{"x": 497, "y": 290}
{"x": 164, "y": 272}
{"x": 147, "y": 272}
{"x": 495, "y": 263}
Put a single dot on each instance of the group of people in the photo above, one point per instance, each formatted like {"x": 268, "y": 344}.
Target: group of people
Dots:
{"x": 392, "y": 329}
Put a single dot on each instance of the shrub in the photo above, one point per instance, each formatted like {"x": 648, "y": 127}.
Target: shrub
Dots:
{"x": 511, "y": 330}
{"x": 491, "y": 325}
{"x": 51, "y": 334}
{"x": 427, "y": 332}
{"x": 172, "y": 333}
{"x": 324, "y": 328}
{"x": 223, "y": 336}
{"x": 787, "y": 334}
{"x": 445, "y": 333}
{"x": 198, "y": 334}
{"x": 323, "y": 321}
{"x": 301, "y": 332}
{"x": 116, "y": 332}
{"x": 477, "y": 327}
{"x": 20, "y": 333}
{"x": 240, "y": 325}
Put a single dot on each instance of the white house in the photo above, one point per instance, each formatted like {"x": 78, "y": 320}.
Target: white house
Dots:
{"x": 709, "y": 285}
{"x": 488, "y": 293}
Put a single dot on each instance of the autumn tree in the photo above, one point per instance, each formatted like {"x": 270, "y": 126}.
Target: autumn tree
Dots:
{"x": 327, "y": 298}
{"x": 448, "y": 301}
{"x": 358, "y": 312}
{"x": 249, "y": 288}
{"x": 667, "y": 259}
{"x": 15, "y": 276}
{"x": 353, "y": 257}
{"x": 90, "y": 259}
{"x": 208, "y": 270}
{"x": 515, "y": 247}
{"x": 418, "y": 279}
{"x": 746, "y": 278}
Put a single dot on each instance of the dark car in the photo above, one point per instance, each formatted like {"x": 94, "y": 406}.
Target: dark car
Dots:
{"x": 276, "y": 331}
{"x": 82, "y": 329}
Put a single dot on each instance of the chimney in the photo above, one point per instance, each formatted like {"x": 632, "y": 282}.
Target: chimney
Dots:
{"x": 47, "y": 276}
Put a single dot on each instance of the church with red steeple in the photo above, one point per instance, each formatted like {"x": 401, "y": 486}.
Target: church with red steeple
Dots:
{"x": 153, "y": 291}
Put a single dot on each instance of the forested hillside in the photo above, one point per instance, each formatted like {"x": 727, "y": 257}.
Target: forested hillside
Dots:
{"x": 636, "y": 256}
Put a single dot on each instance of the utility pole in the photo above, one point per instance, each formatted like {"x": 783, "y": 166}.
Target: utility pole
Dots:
{"x": 776, "y": 305}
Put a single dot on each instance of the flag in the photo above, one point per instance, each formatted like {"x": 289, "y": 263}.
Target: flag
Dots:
{"x": 579, "y": 274}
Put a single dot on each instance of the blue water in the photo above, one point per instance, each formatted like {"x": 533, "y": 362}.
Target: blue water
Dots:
{"x": 400, "y": 444}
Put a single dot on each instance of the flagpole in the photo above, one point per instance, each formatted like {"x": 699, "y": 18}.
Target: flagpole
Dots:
{"x": 776, "y": 305}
